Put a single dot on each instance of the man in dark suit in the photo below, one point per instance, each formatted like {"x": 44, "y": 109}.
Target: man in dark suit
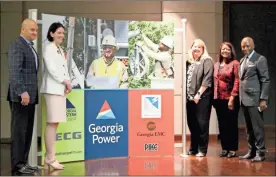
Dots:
{"x": 254, "y": 91}
{"x": 22, "y": 95}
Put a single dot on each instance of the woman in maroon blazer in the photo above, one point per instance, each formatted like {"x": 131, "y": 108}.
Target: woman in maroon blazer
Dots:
{"x": 226, "y": 99}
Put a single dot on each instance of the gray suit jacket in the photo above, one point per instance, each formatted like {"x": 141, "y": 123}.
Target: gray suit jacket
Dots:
{"x": 202, "y": 76}
{"x": 254, "y": 80}
{"x": 22, "y": 71}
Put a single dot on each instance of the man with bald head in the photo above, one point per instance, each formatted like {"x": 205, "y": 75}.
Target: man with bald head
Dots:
{"x": 254, "y": 93}
{"x": 22, "y": 95}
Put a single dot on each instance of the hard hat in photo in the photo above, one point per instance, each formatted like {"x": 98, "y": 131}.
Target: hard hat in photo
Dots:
{"x": 167, "y": 41}
{"x": 109, "y": 40}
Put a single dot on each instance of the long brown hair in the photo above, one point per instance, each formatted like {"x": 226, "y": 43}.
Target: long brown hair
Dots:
{"x": 233, "y": 53}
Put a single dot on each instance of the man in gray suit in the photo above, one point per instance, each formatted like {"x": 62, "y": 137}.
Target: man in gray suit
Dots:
{"x": 22, "y": 95}
{"x": 254, "y": 91}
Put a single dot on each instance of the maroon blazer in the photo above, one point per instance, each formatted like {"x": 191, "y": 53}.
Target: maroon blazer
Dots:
{"x": 226, "y": 80}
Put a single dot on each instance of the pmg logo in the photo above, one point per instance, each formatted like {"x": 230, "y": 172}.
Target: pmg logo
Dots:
{"x": 151, "y": 147}
{"x": 71, "y": 112}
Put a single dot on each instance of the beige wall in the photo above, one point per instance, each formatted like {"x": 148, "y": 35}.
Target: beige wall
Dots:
{"x": 11, "y": 15}
{"x": 204, "y": 20}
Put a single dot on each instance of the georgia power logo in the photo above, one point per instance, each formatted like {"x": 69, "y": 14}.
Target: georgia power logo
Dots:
{"x": 151, "y": 106}
{"x": 71, "y": 112}
{"x": 108, "y": 133}
{"x": 105, "y": 112}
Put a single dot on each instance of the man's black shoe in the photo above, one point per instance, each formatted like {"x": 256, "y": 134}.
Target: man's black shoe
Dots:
{"x": 260, "y": 156}
{"x": 191, "y": 153}
{"x": 31, "y": 168}
{"x": 20, "y": 174}
{"x": 24, "y": 170}
{"x": 247, "y": 156}
{"x": 258, "y": 159}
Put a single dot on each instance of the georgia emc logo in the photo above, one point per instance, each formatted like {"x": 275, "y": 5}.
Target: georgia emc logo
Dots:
{"x": 151, "y": 126}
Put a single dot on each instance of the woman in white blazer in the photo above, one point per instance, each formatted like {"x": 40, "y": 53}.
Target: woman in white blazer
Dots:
{"x": 55, "y": 85}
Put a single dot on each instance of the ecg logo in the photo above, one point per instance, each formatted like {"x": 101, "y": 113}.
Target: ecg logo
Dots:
{"x": 151, "y": 106}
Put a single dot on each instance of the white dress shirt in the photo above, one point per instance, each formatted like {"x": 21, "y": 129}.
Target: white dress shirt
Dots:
{"x": 30, "y": 43}
{"x": 55, "y": 70}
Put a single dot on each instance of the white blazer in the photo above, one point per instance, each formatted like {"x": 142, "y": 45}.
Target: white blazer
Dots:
{"x": 55, "y": 70}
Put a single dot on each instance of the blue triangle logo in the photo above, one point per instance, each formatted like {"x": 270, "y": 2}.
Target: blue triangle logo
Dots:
{"x": 154, "y": 101}
{"x": 69, "y": 104}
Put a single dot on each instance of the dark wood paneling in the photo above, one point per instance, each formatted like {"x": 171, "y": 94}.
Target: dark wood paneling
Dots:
{"x": 226, "y": 18}
{"x": 257, "y": 20}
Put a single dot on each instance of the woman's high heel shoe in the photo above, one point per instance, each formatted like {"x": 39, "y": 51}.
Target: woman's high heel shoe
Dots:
{"x": 200, "y": 154}
{"x": 224, "y": 153}
{"x": 231, "y": 154}
{"x": 53, "y": 164}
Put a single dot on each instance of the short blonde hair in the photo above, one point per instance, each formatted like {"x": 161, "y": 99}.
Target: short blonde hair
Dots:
{"x": 205, "y": 53}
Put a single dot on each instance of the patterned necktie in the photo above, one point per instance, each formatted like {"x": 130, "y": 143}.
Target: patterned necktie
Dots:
{"x": 244, "y": 64}
{"x": 34, "y": 52}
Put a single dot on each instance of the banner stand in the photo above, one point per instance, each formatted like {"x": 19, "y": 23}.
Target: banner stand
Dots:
{"x": 184, "y": 115}
{"x": 32, "y": 14}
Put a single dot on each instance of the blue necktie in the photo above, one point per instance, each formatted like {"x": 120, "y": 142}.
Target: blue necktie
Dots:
{"x": 34, "y": 52}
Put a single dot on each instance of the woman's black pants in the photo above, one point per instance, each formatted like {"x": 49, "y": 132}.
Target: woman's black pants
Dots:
{"x": 198, "y": 118}
{"x": 228, "y": 124}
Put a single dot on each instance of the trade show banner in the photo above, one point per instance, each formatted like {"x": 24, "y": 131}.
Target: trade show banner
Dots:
{"x": 70, "y": 135}
{"x": 151, "y": 125}
{"x": 106, "y": 123}
{"x": 122, "y": 73}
